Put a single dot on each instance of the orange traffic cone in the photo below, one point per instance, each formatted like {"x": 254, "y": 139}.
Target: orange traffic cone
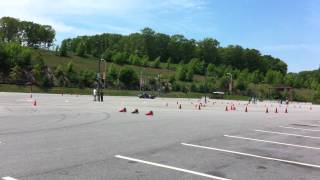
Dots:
{"x": 226, "y": 108}
{"x": 123, "y": 110}
{"x": 35, "y": 103}
{"x": 286, "y": 111}
{"x": 246, "y": 110}
{"x": 180, "y": 106}
{"x": 135, "y": 111}
{"x": 267, "y": 110}
{"x": 199, "y": 107}
{"x": 150, "y": 113}
{"x": 276, "y": 110}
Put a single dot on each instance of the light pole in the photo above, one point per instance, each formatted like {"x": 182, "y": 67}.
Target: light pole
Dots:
{"x": 99, "y": 84}
{"x": 231, "y": 83}
{"x": 141, "y": 79}
{"x": 159, "y": 85}
{"x": 206, "y": 87}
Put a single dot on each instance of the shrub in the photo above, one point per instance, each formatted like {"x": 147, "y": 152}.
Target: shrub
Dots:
{"x": 129, "y": 78}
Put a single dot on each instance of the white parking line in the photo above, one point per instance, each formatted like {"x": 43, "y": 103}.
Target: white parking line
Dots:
{"x": 272, "y": 142}
{"x": 8, "y": 178}
{"x": 288, "y": 134}
{"x": 252, "y": 155}
{"x": 171, "y": 167}
{"x": 299, "y": 128}
{"x": 310, "y": 125}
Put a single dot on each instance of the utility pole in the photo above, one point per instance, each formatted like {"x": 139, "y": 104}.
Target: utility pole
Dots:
{"x": 99, "y": 84}
{"x": 206, "y": 88}
{"x": 159, "y": 85}
{"x": 230, "y": 83}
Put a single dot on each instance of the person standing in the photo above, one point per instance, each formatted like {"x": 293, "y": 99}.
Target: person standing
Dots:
{"x": 101, "y": 96}
{"x": 94, "y": 94}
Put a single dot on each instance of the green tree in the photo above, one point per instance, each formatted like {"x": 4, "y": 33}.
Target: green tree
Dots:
{"x": 9, "y": 29}
{"x": 274, "y": 77}
{"x": 184, "y": 73}
{"x": 112, "y": 75}
{"x": 81, "y": 49}
{"x": 135, "y": 60}
{"x": 197, "y": 66}
{"x": 156, "y": 63}
{"x": 71, "y": 74}
{"x": 4, "y": 61}
{"x": 15, "y": 74}
{"x": 86, "y": 78}
{"x": 208, "y": 50}
{"x": 144, "y": 61}
{"x": 168, "y": 65}
{"x": 63, "y": 49}
{"x": 60, "y": 76}
{"x": 128, "y": 78}
{"x": 119, "y": 58}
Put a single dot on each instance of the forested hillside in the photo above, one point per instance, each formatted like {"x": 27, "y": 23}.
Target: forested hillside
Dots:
{"x": 146, "y": 60}
{"x": 150, "y": 46}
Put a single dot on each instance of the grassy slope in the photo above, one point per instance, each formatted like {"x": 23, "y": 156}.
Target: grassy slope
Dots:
{"x": 91, "y": 63}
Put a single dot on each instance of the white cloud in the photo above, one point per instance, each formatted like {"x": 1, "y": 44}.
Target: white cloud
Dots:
{"x": 74, "y": 17}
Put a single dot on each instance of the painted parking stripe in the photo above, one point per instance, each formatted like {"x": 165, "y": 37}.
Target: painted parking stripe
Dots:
{"x": 8, "y": 178}
{"x": 286, "y": 127}
{"x": 288, "y": 134}
{"x": 171, "y": 167}
{"x": 306, "y": 125}
{"x": 272, "y": 142}
{"x": 252, "y": 155}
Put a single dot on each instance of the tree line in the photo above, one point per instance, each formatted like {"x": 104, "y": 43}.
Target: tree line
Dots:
{"x": 149, "y": 45}
{"x": 26, "y": 33}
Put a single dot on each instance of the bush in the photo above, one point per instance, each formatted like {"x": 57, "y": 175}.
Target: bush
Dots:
{"x": 107, "y": 55}
{"x": 197, "y": 66}
{"x": 63, "y": 49}
{"x": 184, "y": 73}
{"x": 112, "y": 75}
{"x": 156, "y": 63}
{"x": 169, "y": 61}
{"x": 119, "y": 58}
{"x": 129, "y": 78}
{"x": 81, "y": 49}
{"x": 145, "y": 61}
{"x": 135, "y": 60}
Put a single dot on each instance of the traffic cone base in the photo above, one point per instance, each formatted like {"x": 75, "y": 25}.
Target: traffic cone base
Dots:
{"x": 123, "y": 110}
{"x": 246, "y": 110}
{"x": 180, "y": 106}
{"x": 226, "y": 108}
{"x": 135, "y": 111}
{"x": 267, "y": 110}
{"x": 150, "y": 113}
{"x": 34, "y": 103}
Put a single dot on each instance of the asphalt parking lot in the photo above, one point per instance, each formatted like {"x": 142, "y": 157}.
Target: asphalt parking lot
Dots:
{"x": 72, "y": 137}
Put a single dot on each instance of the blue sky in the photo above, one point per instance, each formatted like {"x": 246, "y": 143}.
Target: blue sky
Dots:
{"x": 283, "y": 28}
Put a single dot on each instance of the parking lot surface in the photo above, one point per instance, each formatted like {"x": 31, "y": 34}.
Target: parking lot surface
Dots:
{"x": 71, "y": 137}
